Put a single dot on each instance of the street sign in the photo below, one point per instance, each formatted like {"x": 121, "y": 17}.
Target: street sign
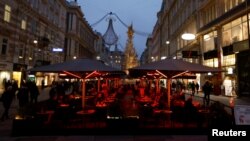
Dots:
{"x": 57, "y": 50}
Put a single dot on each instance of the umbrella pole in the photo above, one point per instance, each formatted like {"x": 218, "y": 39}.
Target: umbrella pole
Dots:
{"x": 157, "y": 86}
{"x": 83, "y": 93}
{"x": 116, "y": 83}
{"x": 150, "y": 84}
{"x": 107, "y": 82}
{"x": 169, "y": 92}
{"x": 99, "y": 83}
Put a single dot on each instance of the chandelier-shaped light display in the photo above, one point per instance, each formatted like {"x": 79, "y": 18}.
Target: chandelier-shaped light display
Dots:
{"x": 110, "y": 37}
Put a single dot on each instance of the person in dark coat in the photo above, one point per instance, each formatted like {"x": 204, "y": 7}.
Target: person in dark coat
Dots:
{"x": 23, "y": 95}
{"x": 197, "y": 86}
{"x": 34, "y": 92}
{"x": 207, "y": 89}
{"x": 192, "y": 85}
{"x": 43, "y": 84}
{"x": 7, "y": 98}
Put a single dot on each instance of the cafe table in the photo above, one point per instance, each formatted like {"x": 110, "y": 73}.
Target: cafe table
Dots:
{"x": 46, "y": 114}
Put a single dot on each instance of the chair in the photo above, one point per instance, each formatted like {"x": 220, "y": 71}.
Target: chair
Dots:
{"x": 100, "y": 116}
{"x": 163, "y": 118}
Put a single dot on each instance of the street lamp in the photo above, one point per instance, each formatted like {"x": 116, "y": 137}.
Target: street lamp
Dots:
{"x": 35, "y": 41}
{"x": 98, "y": 57}
{"x": 188, "y": 36}
{"x": 168, "y": 47}
{"x": 163, "y": 57}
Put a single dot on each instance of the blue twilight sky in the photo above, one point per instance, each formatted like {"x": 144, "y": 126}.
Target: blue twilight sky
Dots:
{"x": 142, "y": 13}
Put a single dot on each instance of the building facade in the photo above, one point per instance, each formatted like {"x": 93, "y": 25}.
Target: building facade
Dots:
{"x": 31, "y": 29}
{"x": 80, "y": 38}
{"x": 116, "y": 58}
{"x": 221, "y": 30}
{"x": 33, "y": 33}
{"x": 102, "y": 52}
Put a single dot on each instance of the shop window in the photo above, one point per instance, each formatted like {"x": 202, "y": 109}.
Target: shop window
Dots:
{"x": 211, "y": 62}
{"x": 234, "y": 31}
{"x": 209, "y": 41}
{"x": 237, "y": 30}
{"x": 226, "y": 38}
{"x": 229, "y": 60}
{"x": 245, "y": 31}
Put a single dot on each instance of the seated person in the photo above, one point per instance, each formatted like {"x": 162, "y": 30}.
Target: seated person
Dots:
{"x": 189, "y": 107}
{"x": 156, "y": 100}
{"x": 182, "y": 95}
{"x": 191, "y": 112}
{"x": 99, "y": 100}
{"x": 162, "y": 101}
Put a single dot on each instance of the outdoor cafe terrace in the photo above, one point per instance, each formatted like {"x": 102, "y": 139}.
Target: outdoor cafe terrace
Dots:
{"x": 127, "y": 107}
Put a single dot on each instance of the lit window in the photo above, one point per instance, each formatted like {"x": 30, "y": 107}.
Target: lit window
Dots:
{"x": 211, "y": 62}
{"x": 229, "y": 60}
{"x": 7, "y": 13}
{"x": 23, "y": 24}
{"x": 230, "y": 70}
{"x": 209, "y": 41}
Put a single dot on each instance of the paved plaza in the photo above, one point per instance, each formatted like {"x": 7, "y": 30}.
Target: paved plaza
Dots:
{"x": 6, "y": 126}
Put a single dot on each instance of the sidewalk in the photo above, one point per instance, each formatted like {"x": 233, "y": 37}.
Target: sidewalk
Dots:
{"x": 6, "y": 126}
{"x": 225, "y": 99}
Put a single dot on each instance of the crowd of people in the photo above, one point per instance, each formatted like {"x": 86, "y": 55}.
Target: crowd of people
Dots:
{"x": 27, "y": 93}
{"x": 144, "y": 92}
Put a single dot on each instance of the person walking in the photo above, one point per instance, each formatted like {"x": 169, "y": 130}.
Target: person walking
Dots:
{"x": 207, "y": 89}
{"x": 34, "y": 92}
{"x": 23, "y": 95}
{"x": 43, "y": 84}
{"x": 192, "y": 85}
{"x": 197, "y": 86}
{"x": 7, "y": 98}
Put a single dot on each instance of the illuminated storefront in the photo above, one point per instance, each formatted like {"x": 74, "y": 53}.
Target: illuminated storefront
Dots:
{"x": 4, "y": 76}
{"x": 48, "y": 78}
{"x": 229, "y": 81}
{"x": 234, "y": 41}
{"x": 5, "y": 73}
{"x": 19, "y": 72}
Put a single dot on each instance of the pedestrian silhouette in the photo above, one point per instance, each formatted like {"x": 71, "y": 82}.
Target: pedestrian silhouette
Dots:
{"x": 207, "y": 89}
{"x": 7, "y": 98}
{"x": 197, "y": 86}
{"x": 192, "y": 85}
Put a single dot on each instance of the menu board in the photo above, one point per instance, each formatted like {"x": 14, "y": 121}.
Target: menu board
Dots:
{"x": 242, "y": 114}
